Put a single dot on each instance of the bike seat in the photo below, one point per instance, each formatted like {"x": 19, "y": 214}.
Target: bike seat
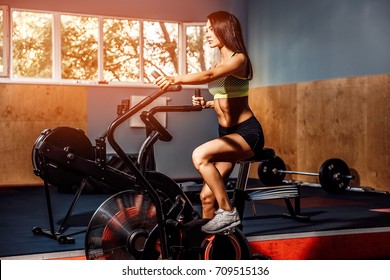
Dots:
{"x": 264, "y": 154}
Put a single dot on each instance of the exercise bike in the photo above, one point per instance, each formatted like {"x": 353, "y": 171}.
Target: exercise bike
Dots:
{"x": 152, "y": 218}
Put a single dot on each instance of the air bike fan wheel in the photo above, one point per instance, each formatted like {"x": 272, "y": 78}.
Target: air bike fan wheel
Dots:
{"x": 72, "y": 139}
{"x": 119, "y": 227}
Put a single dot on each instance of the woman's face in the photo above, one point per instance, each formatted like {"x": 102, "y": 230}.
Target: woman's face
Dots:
{"x": 210, "y": 36}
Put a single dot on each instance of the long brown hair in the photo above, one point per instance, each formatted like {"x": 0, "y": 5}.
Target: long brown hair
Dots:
{"x": 228, "y": 30}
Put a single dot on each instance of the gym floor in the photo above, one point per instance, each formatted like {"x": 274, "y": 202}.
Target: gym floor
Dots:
{"x": 351, "y": 225}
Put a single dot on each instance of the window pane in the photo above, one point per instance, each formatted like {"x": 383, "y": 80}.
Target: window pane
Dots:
{"x": 160, "y": 47}
{"x": 32, "y": 44}
{"x": 121, "y": 50}
{"x": 1, "y": 42}
{"x": 200, "y": 56}
{"x": 79, "y": 47}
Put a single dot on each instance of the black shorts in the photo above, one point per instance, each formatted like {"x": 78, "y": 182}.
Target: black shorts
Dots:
{"x": 250, "y": 130}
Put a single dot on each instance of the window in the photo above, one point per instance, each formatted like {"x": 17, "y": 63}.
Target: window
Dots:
{"x": 32, "y": 45}
{"x": 199, "y": 56}
{"x": 64, "y": 47}
{"x": 121, "y": 51}
{"x": 161, "y": 47}
{"x": 79, "y": 47}
{"x": 4, "y": 41}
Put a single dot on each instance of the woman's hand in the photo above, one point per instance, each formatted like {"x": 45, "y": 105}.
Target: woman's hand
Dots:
{"x": 196, "y": 101}
{"x": 164, "y": 81}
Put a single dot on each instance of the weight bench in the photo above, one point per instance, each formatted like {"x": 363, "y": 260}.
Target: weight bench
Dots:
{"x": 286, "y": 192}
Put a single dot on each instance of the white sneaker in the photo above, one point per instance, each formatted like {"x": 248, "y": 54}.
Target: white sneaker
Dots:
{"x": 223, "y": 221}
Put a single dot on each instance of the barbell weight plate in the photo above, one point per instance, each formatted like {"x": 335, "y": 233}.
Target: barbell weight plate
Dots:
{"x": 266, "y": 171}
{"x": 332, "y": 175}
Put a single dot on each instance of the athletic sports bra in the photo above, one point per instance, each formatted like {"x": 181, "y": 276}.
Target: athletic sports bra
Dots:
{"x": 229, "y": 87}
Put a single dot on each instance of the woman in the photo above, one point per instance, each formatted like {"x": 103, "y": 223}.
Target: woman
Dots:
{"x": 240, "y": 134}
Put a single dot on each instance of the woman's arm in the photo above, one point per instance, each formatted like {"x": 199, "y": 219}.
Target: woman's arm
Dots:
{"x": 230, "y": 67}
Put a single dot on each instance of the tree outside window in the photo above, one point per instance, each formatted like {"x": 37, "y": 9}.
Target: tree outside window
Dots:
{"x": 199, "y": 56}
{"x": 79, "y": 47}
{"x": 1, "y": 41}
{"x": 160, "y": 47}
{"x": 32, "y": 45}
{"x": 95, "y": 48}
{"x": 121, "y": 50}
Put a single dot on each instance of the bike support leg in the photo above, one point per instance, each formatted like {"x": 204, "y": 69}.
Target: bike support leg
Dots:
{"x": 51, "y": 233}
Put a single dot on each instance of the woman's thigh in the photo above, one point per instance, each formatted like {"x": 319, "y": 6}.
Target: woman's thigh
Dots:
{"x": 229, "y": 148}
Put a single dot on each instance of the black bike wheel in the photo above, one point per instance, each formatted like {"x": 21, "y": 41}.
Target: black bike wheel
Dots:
{"x": 120, "y": 226}
{"x": 233, "y": 246}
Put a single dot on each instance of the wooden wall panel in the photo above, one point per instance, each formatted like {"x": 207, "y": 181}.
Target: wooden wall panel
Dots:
{"x": 276, "y": 109}
{"x": 25, "y": 111}
{"x": 377, "y": 169}
{"x": 331, "y": 123}
{"x": 346, "y": 118}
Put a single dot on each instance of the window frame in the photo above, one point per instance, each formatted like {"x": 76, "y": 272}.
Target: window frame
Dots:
{"x": 56, "y": 52}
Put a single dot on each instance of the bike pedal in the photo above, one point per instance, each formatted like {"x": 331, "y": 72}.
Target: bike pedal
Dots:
{"x": 228, "y": 231}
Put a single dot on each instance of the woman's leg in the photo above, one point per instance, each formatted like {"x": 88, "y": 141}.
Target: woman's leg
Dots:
{"x": 209, "y": 203}
{"x": 229, "y": 148}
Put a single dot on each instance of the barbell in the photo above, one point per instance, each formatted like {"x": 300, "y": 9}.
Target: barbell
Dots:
{"x": 334, "y": 174}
